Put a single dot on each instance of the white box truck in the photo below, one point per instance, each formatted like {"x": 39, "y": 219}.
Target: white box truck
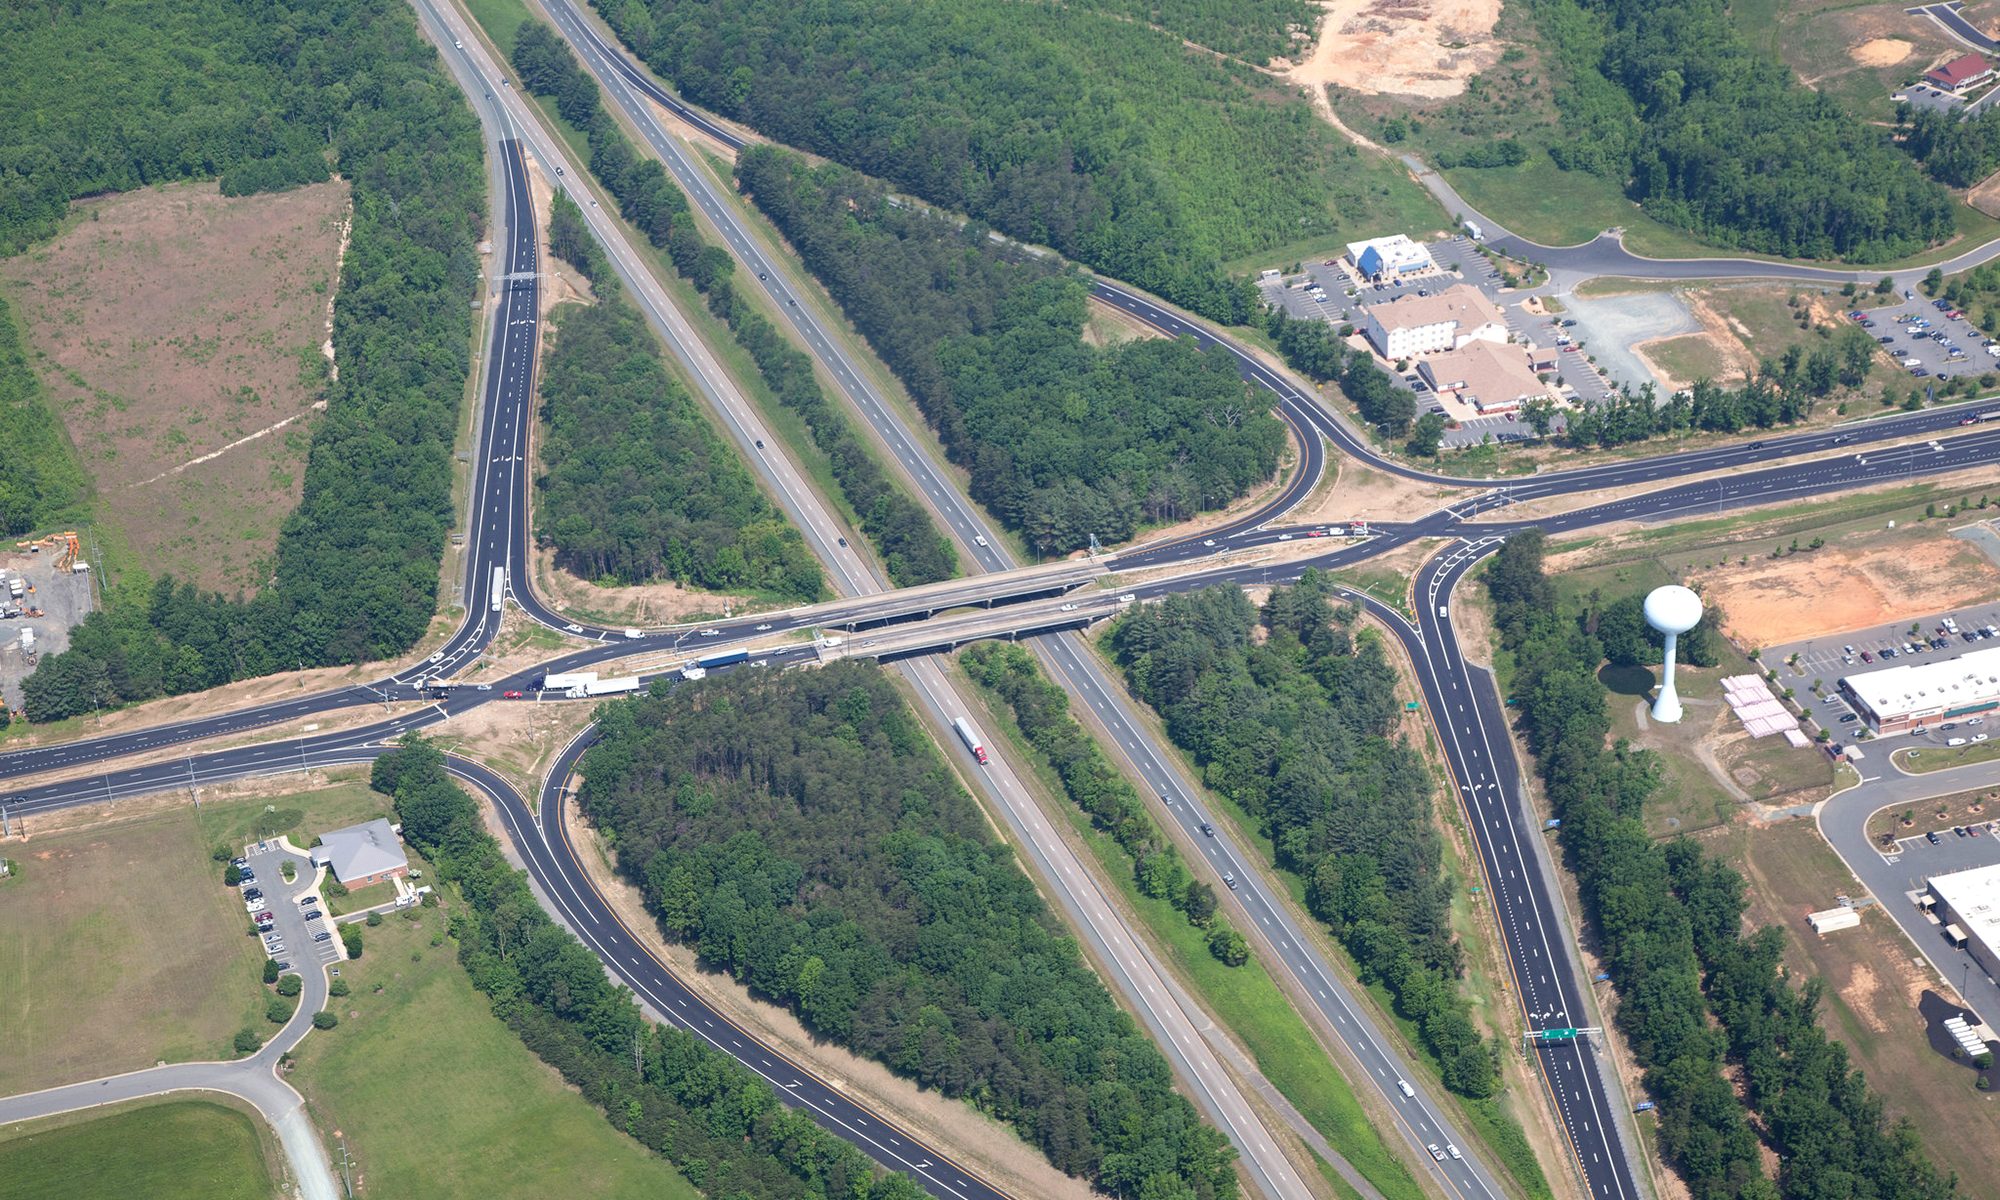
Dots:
{"x": 608, "y": 687}
{"x": 970, "y": 737}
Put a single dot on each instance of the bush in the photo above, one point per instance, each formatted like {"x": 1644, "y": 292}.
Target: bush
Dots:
{"x": 324, "y": 1020}
{"x": 1228, "y": 945}
{"x": 350, "y": 937}
{"x": 290, "y": 985}
{"x": 248, "y": 1041}
{"x": 334, "y": 888}
{"x": 278, "y": 1010}
{"x": 270, "y": 970}
{"x": 231, "y": 875}
{"x": 338, "y": 988}
{"x": 374, "y": 919}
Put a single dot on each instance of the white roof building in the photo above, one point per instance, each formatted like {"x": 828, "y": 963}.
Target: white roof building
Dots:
{"x": 1488, "y": 376}
{"x": 1970, "y": 904}
{"x": 1392, "y": 257}
{"x": 362, "y": 854}
{"x": 1917, "y": 693}
{"x": 1413, "y": 325}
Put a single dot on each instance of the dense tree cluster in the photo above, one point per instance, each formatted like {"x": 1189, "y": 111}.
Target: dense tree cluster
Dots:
{"x": 636, "y": 485}
{"x": 1955, "y": 149}
{"x": 720, "y": 1125}
{"x": 357, "y": 562}
{"x": 1068, "y": 125}
{"x": 1259, "y": 30}
{"x": 1093, "y": 784}
{"x": 1312, "y": 348}
{"x": 1061, "y": 439}
{"x": 912, "y": 549}
{"x": 800, "y": 831}
{"x": 1707, "y": 133}
{"x": 101, "y": 98}
{"x": 1694, "y": 992}
{"x": 39, "y": 477}
{"x": 1297, "y": 730}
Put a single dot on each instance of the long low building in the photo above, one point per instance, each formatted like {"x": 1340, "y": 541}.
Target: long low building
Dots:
{"x": 1413, "y": 325}
{"x": 1922, "y": 693}
{"x": 1967, "y": 904}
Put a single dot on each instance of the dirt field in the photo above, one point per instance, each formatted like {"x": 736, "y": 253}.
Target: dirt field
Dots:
{"x": 1881, "y": 52}
{"x": 1769, "y": 601}
{"x": 645, "y": 604}
{"x": 1425, "y": 48}
{"x": 1107, "y": 326}
{"x": 182, "y": 336}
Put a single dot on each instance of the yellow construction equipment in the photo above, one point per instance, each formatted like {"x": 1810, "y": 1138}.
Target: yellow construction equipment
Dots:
{"x": 66, "y": 540}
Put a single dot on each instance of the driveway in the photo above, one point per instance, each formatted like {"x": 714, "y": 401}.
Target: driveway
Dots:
{"x": 253, "y": 1079}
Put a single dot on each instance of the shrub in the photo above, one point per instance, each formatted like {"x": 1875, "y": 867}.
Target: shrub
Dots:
{"x": 290, "y": 985}
{"x": 324, "y": 1020}
{"x": 270, "y": 971}
{"x": 248, "y": 1041}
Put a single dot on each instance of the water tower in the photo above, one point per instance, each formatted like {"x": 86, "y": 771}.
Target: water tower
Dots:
{"x": 1673, "y": 610}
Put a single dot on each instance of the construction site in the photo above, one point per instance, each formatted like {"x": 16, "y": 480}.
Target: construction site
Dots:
{"x": 45, "y": 590}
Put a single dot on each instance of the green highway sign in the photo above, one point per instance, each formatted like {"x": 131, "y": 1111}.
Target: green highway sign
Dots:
{"x": 1557, "y": 1035}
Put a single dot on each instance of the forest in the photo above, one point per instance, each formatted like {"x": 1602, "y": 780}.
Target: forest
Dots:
{"x": 724, "y": 1128}
{"x": 1066, "y": 125}
{"x": 1696, "y": 996}
{"x": 1298, "y": 728}
{"x": 912, "y": 549}
{"x": 1711, "y": 135}
{"x": 1955, "y": 149}
{"x": 636, "y": 486}
{"x": 357, "y": 561}
{"x": 1062, "y": 440}
{"x": 39, "y": 477}
{"x": 800, "y": 831}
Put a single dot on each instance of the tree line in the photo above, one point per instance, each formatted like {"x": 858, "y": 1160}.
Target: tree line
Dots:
{"x": 1709, "y": 134}
{"x": 40, "y": 480}
{"x": 800, "y": 831}
{"x": 1062, "y": 440}
{"x": 1954, "y": 148}
{"x": 357, "y": 562}
{"x": 635, "y": 485}
{"x": 1041, "y": 710}
{"x": 1299, "y": 730}
{"x": 1695, "y": 994}
{"x": 724, "y": 1128}
{"x": 912, "y": 549}
{"x": 1073, "y": 125}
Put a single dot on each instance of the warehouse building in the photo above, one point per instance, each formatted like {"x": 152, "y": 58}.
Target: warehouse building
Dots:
{"x": 1413, "y": 325}
{"x": 1921, "y": 694}
{"x": 1967, "y": 905}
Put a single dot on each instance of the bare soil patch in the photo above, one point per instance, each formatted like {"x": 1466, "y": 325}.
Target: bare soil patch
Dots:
{"x": 1357, "y": 493}
{"x": 641, "y": 604}
{"x": 181, "y": 336}
{"x": 1985, "y": 195}
{"x": 1834, "y": 589}
{"x": 1427, "y": 48}
{"x": 1880, "y": 52}
{"x": 1108, "y": 325}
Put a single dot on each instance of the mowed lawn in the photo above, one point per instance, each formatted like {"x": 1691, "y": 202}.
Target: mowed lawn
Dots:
{"x": 181, "y": 1150}
{"x": 436, "y": 1097}
{"x": 119, "y": 947}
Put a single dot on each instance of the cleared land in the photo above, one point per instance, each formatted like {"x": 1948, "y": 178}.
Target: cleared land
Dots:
{"x": 1429, "y": 48}
{"x": 1859, "y": 55}
{"x": 181, "y": 1150}
{"x": 181, "y": 335}
{"x": 436, "y": 1097}
{"x": 120, "y": 947}
{"x": 1879, "y": 999}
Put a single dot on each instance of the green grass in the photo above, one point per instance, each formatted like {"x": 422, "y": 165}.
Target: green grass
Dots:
{"x": 301, "y": 816}
{"x": 91, "y": 980}
{"x": 500, "y": 19}
{"x": 182, "y": 1150}
{"x": 360, "y": 898}
{"x": 1688, "y": 358}
{"x": 435, "y": 1096}
{"x": 1245, "y": 999}
{"x": 1376, "y": 197}
{"x": 1922, "y": 760}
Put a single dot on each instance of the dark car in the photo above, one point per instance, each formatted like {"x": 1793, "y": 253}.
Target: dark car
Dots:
{"x": 1932, "y": 838}
{"x": 1208, "y": 829}
{"x": 322, "y": 937}
{"x": 313, "y": 914}
{"x": 1843, "y": 439}
{"x": 253, "y": 893}
{"x": 1867, "y": 657}
{"x": 1755, "y": 446}
{"x": 1885, "y": 340}
{"x": 1849, "y": 718}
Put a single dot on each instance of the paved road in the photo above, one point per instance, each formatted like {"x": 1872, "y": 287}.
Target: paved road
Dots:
{"x": 253, "y": 1080}
{"x": 1946, "y": 15}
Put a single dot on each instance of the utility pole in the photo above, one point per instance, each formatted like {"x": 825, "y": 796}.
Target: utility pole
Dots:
{"x": 346, "y": 1167}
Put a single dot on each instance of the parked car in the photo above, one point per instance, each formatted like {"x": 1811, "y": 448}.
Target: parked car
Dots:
{"x": 313, "y": 914}
{"x": 1867, "y": 657}
{"x": 322, "y": 936}
{"x": 1849, "y": 718}
{"x": 1932, "y": 837}
{"x": 253, "y": 893}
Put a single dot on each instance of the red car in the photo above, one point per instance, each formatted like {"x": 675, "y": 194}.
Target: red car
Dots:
{"x": 511, "y": 695}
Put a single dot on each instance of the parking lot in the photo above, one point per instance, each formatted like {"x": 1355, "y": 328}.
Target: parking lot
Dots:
{"x": 290, "y": 937}
{"x": 1921, "y": 330}
{"x": 1977, "y": 846}
{"x": 1827, "y": 659}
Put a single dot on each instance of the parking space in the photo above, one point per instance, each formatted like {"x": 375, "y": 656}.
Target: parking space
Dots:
{"x": 1937, "y": 636}
{"x": 290, "y": 936}
{"x": 1928, "y": 342}
{"x": 1959, "y": 848}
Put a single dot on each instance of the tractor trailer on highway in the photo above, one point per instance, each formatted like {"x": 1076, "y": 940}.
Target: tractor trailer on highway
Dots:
{"x": 725, "y": 658}
{"x": 563, "y": 681}
{"x": 609, "y": 687}
{"x": 970, "y": 737}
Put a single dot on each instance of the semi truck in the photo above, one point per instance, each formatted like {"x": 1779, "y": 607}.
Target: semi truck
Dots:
{"x": 562, "y": 681}
{"x": 499, "y": 588}
{"x": 970, "y": 737}
{"x": 608, "y": 687}
{"x": 724, "y": 658}
{"x": 692, "y": 672}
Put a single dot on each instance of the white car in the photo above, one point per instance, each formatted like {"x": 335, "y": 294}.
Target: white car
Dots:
{"x": 574, "y": 628}
{"x": 1069, "y": 608}
{"x": 1210, "y": 542}
{"x": 762, "y": 628}
{"x": 1284, "y": 537}
{"x": 438, "y": 657}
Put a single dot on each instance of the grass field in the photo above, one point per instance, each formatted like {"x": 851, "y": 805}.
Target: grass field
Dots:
{"x": 120, "y": 947}
{"x": 1688, "y": 358}
{"x": 301, "y": 816}
{"x": 436, "y": 1097}
{"x": 1924, "y": 759}
{"x": 1875, "y": 994}
{"x": 180, "y": 1150}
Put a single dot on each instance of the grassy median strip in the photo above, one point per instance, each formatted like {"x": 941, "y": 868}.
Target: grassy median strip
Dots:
{"x": 1245, "y": 998}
